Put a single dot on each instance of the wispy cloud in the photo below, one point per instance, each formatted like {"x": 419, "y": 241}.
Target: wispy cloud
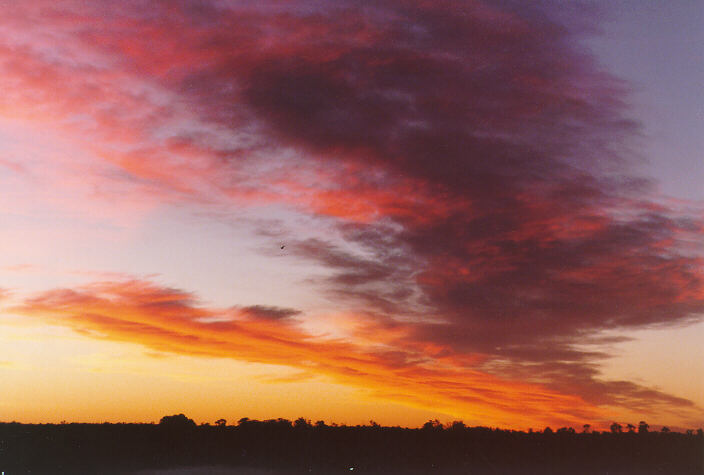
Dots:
{"x": 19, "y": 268}
{"x": 386, "y": 359}
{"x": 170, "y": 320}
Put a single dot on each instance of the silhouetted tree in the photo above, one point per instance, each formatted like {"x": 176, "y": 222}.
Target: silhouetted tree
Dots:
{"x": 457, "y": 425}
{"x": 631, "y": 428}
{"x": 616, "y": 428}
{"x": 643, "y": 427}
{"x": 178, "y": 421}
{"x": 221, "y": 422}
{"x": 301, "y": 423}
{"x": 665, "y": 430}
{"x": 281, "y": 422}
{"x": 432, "y": 424}
{"x": 586, "y": 428}
{"x": 547, "y": 430}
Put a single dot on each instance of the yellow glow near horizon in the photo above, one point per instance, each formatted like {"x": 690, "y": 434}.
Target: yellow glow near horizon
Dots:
{"x": 64, "y": 376}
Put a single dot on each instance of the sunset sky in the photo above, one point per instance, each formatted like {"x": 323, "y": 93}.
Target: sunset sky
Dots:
{"x": 351, "y": 211}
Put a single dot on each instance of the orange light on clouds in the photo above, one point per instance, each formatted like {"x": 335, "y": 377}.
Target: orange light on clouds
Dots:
{"x": 168, "y": 320}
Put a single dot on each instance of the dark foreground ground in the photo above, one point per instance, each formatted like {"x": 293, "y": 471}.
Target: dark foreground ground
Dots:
{"x": 280, "y": 447}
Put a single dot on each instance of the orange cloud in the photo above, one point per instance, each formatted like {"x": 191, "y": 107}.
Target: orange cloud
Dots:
{"x": 170, "y": 320}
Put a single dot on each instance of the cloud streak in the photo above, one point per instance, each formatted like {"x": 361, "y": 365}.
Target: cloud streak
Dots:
{"x": 170, "y": 320}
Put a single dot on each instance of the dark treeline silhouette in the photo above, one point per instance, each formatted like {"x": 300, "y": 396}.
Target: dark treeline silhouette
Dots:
{"x": 300, "y": 446}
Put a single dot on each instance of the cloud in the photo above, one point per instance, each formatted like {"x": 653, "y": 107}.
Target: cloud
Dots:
{"x": 269, "y": 313}
{"x": 18, "y": 268}
{"x": 526, "y": 232}
{"x": 170, "y": 320}
{"x": 4, "y": 294}
{"x": 473, "y": 158}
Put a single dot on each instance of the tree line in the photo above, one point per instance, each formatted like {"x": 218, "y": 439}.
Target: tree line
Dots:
{"x": 306, "y": 447}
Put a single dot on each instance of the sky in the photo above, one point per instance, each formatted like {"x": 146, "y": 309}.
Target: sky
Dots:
{"x": 393, "y": 211}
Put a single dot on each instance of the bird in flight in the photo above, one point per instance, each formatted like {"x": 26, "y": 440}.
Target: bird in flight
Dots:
{"x": 283, "y": 246}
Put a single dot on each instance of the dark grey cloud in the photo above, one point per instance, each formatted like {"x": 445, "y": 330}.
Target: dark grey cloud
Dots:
{"x": 268, "y": 312}
{"x": 494, "y": 151}
{"x": 528, "y": 230}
